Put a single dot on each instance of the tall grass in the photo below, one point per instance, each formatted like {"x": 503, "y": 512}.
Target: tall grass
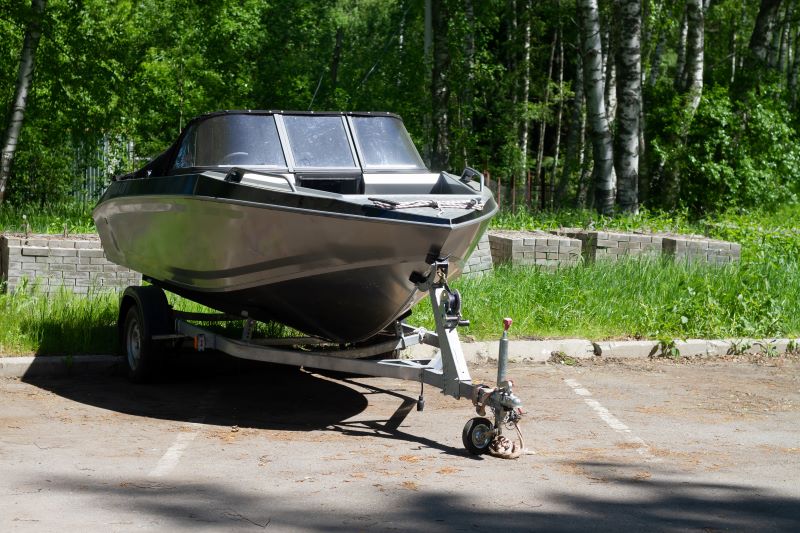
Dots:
{"x": 77, "y": 217}
{"x": 758, "y": 297}
{"x": 633, "y": 299}
{"x": 65, "y": 323}
{"x": 31, "y": 323}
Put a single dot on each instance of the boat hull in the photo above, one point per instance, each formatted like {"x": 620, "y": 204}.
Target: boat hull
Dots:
{"x": 340, "y": 274}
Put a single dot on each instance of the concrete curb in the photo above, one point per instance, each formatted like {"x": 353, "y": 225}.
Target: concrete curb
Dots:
{"x": 520, "y": 351}
{"x": 55, "y": 366}
{"x": 523, "y": 351}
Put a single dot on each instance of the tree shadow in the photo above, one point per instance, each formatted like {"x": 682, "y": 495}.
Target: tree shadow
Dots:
{"x": 630, "y": 505}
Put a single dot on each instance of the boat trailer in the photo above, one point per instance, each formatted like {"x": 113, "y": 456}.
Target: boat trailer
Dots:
{"x": 147, "y": 324}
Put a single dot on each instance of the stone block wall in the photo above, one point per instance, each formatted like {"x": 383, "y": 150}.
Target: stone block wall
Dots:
{"x": 481, "y": 258}
{"x": 534, "y": 248}
{"x": 77, "y": 263}
{"x": 609, "y": 245}
{"x": 691, "y": 249}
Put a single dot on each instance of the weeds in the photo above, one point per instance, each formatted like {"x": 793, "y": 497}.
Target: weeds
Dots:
{"x": 668, "y": 348}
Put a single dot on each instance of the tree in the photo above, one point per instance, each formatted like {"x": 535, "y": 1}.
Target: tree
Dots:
{"x": 762, "y": 33}
{"x": 629, "y": 102}
{"x": 691, "y": 90}
{"x": 27, "y": 62}
{"x": 440, "y": 87}
{"x": 602, "y": 149}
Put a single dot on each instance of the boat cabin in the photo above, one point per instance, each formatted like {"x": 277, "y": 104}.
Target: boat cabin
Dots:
{"x": 341, "y": 153}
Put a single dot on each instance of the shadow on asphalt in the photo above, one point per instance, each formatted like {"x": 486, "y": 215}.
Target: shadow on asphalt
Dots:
{"x": 672, "y": 504}
{"x": 222, "y": 391}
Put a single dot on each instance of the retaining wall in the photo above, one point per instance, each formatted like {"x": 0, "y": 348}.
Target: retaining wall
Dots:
{"x": 76, "y": 263}
{"x": 609, "y": 245}
{"x": 481, "y": 258}
{"x": 534, "y": 248}
{"x": 691, "y": 249}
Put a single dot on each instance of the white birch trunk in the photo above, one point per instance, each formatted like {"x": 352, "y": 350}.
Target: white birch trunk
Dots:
{"x": 629, "y": 97}
{"x": 543, "y": 128}
{"x": 680, "y": 65}
{"x": 695, "y": 46}
{"x": 794, "y": 71}
{"x": 22, "y": 89}
{"x": 761, "y": 36}
{"x": 610, "y": 93}
{"x": 440, "y": 92}
{"x": 602, "y": 149}
{"x": 573, "y": 153}
{"x": 692, "y": 90}
{"x": 526, "y": 87}
{"x": 559, "y": 116}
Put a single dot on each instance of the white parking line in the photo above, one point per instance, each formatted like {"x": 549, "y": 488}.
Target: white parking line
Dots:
{"x": 172, "y": 456}
{"x": 612, "y": 421}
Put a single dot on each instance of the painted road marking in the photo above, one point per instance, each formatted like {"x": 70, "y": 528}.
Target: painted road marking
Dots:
{"x": 173, "y": 455}
{"x": 612, "y": 421}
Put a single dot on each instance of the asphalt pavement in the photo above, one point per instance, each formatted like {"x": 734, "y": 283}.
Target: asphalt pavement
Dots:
{"x": 221, "y": 444}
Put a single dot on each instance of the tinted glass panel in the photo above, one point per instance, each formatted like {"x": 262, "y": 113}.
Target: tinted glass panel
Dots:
{"x": 383, "y": 142}
{"x": 232, "y": 140}
{"x": 318, "y": 142}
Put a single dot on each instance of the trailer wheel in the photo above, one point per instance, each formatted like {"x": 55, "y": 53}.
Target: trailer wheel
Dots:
{"x": 144, "y": 312}
{"x": 477, "y": 435}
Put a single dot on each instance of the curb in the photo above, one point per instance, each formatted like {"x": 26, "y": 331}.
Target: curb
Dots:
{"x": 520, "y": 351}
{"x": 524, "y": 351}
{"x": 57, "y": 366}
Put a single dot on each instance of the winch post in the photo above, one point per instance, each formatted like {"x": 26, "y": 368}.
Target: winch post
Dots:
{"x": 454, "y": 366}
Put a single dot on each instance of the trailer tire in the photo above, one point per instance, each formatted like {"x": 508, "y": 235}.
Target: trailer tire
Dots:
{"x": 144, "y": 312}
{"x": 477, "y": 435}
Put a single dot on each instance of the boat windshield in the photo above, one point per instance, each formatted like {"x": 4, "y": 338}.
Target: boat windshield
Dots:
{"x": 228, "y": 140}
{"x": 383, "y": 142}
{"x": 318, "y": 141}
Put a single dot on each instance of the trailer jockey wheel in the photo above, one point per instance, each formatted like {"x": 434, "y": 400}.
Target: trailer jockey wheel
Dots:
{"x": 477, "y": 435}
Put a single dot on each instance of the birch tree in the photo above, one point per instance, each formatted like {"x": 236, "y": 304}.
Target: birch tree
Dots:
{"x": 21, "y": 91}
{"x": 760, "y": 39}
{"x": 602, "y": 148}
{"x": 692, "y": 91}
{"x": 629, "y": 102}
{"x": 440, "y": 87}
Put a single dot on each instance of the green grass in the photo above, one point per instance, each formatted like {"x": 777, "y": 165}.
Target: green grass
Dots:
{"x": 633, "y": 299}
{"x": 31, "y": 323}
{"x": 630, "y": 299}
{"x": 47, "y": 219}
{"x": 65, "y": 323}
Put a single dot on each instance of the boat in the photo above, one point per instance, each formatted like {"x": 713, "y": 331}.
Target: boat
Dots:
{"x": 319, "y": 221}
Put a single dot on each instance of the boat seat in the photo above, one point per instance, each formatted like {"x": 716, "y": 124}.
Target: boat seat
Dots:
{"x": 339, "y": 182}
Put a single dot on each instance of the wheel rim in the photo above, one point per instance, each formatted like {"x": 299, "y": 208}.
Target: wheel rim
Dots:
{"x": 481, "y": 434}
{"x": 134, "y": 344}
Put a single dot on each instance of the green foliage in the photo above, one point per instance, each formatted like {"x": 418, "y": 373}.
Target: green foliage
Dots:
{"x": 742, "y": 153}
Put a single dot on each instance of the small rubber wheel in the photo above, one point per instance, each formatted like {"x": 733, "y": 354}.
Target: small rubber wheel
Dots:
{"x": 477, "y": 435}
{"x": 139, "y": 351}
